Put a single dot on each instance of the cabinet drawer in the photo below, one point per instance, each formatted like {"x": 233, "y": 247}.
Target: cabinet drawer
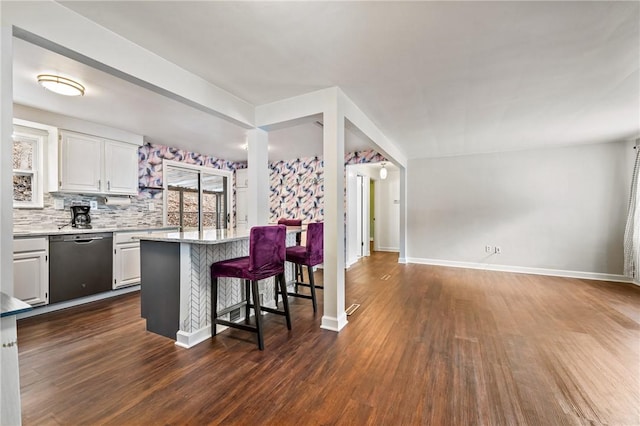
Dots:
{"x": 126, "y": 237}
{"x": 30, "y": 244}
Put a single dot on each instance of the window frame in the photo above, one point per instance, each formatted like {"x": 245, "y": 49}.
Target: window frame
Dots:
{"x": 37, "y": 164}
{"x": 200, "y": 171}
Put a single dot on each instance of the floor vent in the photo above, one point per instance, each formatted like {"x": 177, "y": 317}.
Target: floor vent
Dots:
{"x": 351, "y": 309}
{"x": 385, "y": 277}
{"x": 234, "y": 315}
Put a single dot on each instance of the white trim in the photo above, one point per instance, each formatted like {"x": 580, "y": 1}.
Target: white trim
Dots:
{"x": 523, "y": 270}
{"x": 334, "y": 324}
{"x": 402, "y": 260}
{"x": 77, "y": 302}
{"x": 187, "y": 340}
{"x": 389, "y": 249}
{"x": 200, "y": 169}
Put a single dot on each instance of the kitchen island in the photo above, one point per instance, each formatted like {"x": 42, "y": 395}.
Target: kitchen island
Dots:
{"x": 175, "y": 290}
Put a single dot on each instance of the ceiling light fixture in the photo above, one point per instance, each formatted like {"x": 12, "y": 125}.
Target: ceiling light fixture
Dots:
{"x": 383, "y": 172}
{"x": 61, "y": 85}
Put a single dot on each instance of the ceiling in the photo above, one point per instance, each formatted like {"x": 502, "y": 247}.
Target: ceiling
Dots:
{"x": 437, "y": 78}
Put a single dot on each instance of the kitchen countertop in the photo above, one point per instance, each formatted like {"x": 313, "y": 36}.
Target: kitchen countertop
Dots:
{"x": 12, "y": 306}
{"x": 212, "y": 236}
{"x": 46, "y": 231}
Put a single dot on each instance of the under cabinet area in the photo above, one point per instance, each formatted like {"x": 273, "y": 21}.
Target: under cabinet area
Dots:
{"x": 31, "y": 270}
{"x": 91, "y": 164}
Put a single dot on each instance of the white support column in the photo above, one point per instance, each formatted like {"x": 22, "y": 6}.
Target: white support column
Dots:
{"x": 6, "y": 150}
{"x": 10, "y": 408}
{"x": 258, "y": 175}
{"x": 334, "y": 317}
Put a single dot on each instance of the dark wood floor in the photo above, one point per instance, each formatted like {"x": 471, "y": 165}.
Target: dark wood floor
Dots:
{"x": 429, "y": 345}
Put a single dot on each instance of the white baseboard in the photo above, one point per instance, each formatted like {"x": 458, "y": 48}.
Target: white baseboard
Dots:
{"x": 523, "y": 270}
{"x": 39, "y": 310}
{"x": 334, "y": 324}
{"x": 389, "y": 249}
{"x": 188, "y": 340}
{"x": 402, "y": 260}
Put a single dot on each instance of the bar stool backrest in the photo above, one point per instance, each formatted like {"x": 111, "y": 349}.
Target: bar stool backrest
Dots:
{"x": 289, "y": 222}
{"x": 292, "y": 222}
{"x": 315, "y": 243}
{"x": 267, "y": 250}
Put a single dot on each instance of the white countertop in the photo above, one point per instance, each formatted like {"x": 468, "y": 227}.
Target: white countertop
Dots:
{"x": 45, "y": 231}
{"x": 212, "y": 236}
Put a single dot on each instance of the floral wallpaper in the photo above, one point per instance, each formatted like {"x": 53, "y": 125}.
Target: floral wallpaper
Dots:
{"x": 150, "y": 158}
{"x": 297, "y": 188}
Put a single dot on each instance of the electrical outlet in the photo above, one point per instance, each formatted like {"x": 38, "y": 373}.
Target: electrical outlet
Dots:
{"x": 488, "y": 249}
{"x": 58, "y": 203}
{"x": 93, "y": 204}
{"x": 152, "y": 207}
{"x": 498, "y": 250}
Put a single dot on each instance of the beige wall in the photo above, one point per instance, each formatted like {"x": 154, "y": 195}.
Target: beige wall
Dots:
{"x": 557, "y": 208}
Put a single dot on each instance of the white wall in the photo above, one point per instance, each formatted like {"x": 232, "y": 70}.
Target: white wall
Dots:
{"x": 387, "y": 212}
{"x": 556, "y": 209}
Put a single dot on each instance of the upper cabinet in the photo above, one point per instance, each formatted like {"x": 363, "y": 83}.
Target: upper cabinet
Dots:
{"x": 242, "y": 178}
{"x": 93, "y": 165}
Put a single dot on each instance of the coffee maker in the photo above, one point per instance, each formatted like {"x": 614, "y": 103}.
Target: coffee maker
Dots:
{"x": 80, "y": 217}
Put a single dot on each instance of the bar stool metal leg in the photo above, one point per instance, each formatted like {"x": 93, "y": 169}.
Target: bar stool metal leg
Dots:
{"x": 258, "y": 313}
{"x": 285, "y": 302}
{"x": 312, "y": 286}
{"x": 247, "y": 307}
{"x": 214, "y": 305}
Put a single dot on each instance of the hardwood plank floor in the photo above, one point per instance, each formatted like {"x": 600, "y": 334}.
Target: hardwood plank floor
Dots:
{"x": 428, "y": 345}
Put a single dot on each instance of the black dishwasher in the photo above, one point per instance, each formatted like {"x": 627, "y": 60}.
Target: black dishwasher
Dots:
{"x": 79, "y": 265}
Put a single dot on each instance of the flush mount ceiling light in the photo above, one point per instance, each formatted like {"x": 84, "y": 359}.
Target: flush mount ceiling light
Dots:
{"x": 61, "y": 85}
{"x": 383, "y": 172}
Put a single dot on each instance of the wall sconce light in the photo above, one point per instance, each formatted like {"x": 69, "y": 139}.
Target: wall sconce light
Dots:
{"x": 383, "y": 172}
{"x": 61, "y": 85}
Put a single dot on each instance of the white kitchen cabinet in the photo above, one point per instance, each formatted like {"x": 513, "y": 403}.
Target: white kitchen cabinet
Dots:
{"x": 121, "y": 167}
{"x": 31, "y": 270}
{"x": 242, "y": 178}
{"x": 93, "y": 165}
{"x": 242, "y": 201}
{"x": 126, "y": 257}
{"x": 80, "y": 163}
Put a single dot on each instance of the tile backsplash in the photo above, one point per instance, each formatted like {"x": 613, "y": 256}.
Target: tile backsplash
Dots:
{"x": 135, "y": 214}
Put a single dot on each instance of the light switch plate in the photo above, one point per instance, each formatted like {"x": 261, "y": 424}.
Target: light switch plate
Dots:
{"x": 152, "y": 207}
{"x": 93, "y": 204}
{"x": 58, "y": 203}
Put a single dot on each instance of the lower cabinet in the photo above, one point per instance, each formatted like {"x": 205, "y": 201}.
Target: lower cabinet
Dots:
{"x": 31, "y": 270}
{"x": 126, "y": 259}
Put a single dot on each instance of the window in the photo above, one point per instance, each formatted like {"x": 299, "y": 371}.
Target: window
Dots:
{"x": 196, "y": 197}
{"x": 28, "y": 146}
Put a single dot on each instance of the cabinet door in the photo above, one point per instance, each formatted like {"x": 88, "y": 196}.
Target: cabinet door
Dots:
{"x": 80, "y": 163}
{"x": 242, "y": 208}
{"x": 121, "y": 168}
{"x": 242, "y": 178}
{"x": 126, "y": 264}
{"x": 31, "y": 277}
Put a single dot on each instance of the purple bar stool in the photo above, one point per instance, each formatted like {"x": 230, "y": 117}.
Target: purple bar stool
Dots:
{"x": 265, "y": 260}
{"x": 310, "y": 255}
{"x": 293, "y": 222}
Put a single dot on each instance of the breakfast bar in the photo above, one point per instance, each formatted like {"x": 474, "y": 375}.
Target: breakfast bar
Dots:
{"x": 175, "y": 289}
